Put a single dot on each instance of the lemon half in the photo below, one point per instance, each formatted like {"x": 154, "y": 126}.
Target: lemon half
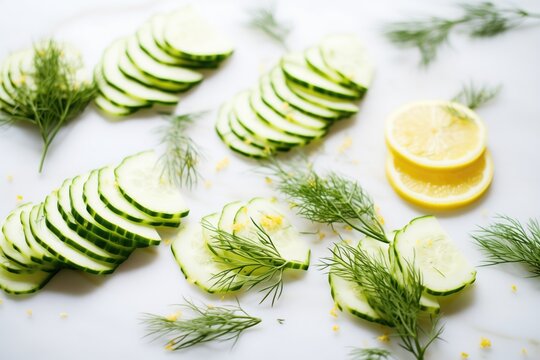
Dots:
{"x": 436, "y": 134}
{"x": 440, "y": 189}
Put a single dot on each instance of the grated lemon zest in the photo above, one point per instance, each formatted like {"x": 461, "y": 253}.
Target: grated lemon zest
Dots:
{"x": 223, "y": 163}
{"x": 485, "y": 343}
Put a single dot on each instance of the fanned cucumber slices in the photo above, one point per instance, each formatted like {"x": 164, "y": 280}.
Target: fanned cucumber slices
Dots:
{"x": 424, "y": 245}
{"x": 160, "y": 60}
{"x": 297, "y": 101}
{"x": 92, "y": 223}
{"x": 238, "y": 246}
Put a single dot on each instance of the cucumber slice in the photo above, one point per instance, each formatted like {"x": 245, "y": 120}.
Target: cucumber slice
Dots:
{"x": 257, "y": 127}
{"x": 143, "y": 235}
{"x": 150, "y": 45}
{"x": 114, "y": 200}
{"x": 348, "y": 57}
{"x": 154, "y": 69}
{"x": 284, "y": 236}
{"x": 429, "y": 304}
{"x": 249, "y": 138}
{"x": 187, "y": 34}
{"x": 130, "y": 70}
{"x": 295, "y": 69}
{"x": 6, "y": 101}
{"x": 279, "y": 122}
{"x": 230, "y": 139}
{"x": 348, "y": 296}
{"x": 56, "y": 224}
{"x": 116, "y": 96}
{"x": 86, "y": 220}
{"x": 282, "y": 90}
{"x": 37, "y": 252}
{"x": 196, "y": 261}
{"x": 346, "y": 108}
{"x": 315, "y": 61}
{"x": 64, "y": 206}
{"x": 140, "y": 181}
{"x": 13, "y": 243}
{"x": 284, "y": 109}
{"x": 111, "y": 109}
{"x": 227, "y": 217}
{"x": 18, "y": 284}
{"x": 116, "y": 78}
{"x": 425, "y": 244}
{"x": 68, "y": 256}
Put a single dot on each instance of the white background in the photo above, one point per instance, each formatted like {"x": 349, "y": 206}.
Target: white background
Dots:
{"x": 103, "y": 312}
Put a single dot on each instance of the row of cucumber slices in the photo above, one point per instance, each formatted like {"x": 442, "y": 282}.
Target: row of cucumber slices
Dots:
{"x": 298, "y": 100}
{"x": 424, "y": 244}
{"x": 196, "y": 249}
{"x": 91, "y": 223}
{"x": 156, "y": 63}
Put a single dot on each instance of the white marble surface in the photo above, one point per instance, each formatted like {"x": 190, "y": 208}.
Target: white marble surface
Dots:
{"x": 103, "y": 313}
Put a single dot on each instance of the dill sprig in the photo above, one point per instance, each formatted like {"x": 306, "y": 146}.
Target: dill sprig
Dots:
{"x": 250, "y": 261}
{"x": 328, "y": 199}
{"x": 473, "y": 97}
{"x": 479, "y": 20}
{"x": 265, "y": 20}
{"x": 208, "y": 323}
{"x": 509, "y": 241}
{"x": 369, "y": 354}
{"x": 181, "y": 157}
{"x": 50, "y": 94}
{"x": 394, "y": 296}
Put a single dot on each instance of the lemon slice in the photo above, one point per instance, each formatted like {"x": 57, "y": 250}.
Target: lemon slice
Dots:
{"x": 440, "y": 189}
{"x": 436, "y": 134}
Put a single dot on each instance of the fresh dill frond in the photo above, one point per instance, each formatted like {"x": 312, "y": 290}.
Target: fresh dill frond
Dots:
{"x": 328, "y": 199}
{"x": 50, "y": 94}
{"x": 264, "y": 19}
{"x": 369, "y": 354}
{"x": 394, "y": 296}
{"x": 473, "y": 97}
{"x": 509, "y": 241}
{"x": 181, "y": 157}
{"x": 206, "y": 323}
{"x": 250, "y": 261}
{"x": 483, "y": 19}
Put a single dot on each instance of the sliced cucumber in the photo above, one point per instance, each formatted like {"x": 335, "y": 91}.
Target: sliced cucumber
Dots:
{"x": 116, "y": 96}
{"x": 285, "y": 237}
{"x": 346, "y": 108}
{"x": 279, "y": 122}
{"x": 56, "y": 224}
{"x": 141, "y": 182}
{"x": 197, "y": 262}
{"x": 143, "y": 235}
{"x": 284, "y": 109}
{"x": 227, "y": 217}
{"x": 154, "y": 69}
{"x": 38, "y": 253}
{"x": 349, "y": 297}
{"x": 230, "y": 139}
{"x": 13, "y": 244}
{"x": 257, "y": 127}
{"x": 295, "y": 69}
{"x": 187, "y": 34}
{"x": 115, "y": 201}
{"x": 117, "y": 79}
{"x": 18, "y": 284}
{"x": 251, "y": 139}
{"x": 86, "y": 220}
{"x": 110, "y": 108}
{"x": 7, "y": 263}
{"x": 108, "y": 243}
{"x": 347, "y": 57}
{"x": 150, "y": 45}
{"x": 425, "y": 245}
{"x": 316, "y": 62}
{"x": 282, "y": 90}
{"x": 68, "y": 256}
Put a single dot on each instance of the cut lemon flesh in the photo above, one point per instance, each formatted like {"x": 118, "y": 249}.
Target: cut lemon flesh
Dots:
{"x": 436, "y": 134}
{"x": 440, "y": 189}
